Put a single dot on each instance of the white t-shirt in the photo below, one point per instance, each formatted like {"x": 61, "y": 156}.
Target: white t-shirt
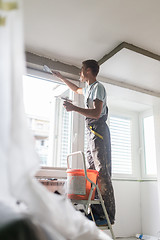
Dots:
{"x": 95, "y": 91}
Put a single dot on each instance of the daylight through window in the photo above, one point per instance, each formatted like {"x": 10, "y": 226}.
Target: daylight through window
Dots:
{"x": 149, "y": 146}
{"x": 48, "y": 120}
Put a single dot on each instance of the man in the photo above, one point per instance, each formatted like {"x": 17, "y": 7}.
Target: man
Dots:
{"x": 99, "y": 146}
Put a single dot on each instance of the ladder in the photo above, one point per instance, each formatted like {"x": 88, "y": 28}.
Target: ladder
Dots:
{"x": 88, "y": 202}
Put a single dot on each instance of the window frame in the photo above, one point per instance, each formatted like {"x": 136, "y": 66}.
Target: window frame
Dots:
{"x": 135, "y": 154}
{"x": 145, "y": 176}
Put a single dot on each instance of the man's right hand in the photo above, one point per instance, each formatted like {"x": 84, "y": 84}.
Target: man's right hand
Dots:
{"x": 57, "y": 74}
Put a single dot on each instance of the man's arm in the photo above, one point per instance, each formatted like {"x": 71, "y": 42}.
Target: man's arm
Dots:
{"x": 90, "y": 113}
{"x": 71, "y": 85}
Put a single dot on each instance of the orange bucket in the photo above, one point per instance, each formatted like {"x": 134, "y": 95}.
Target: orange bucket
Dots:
{"x": 78, "y": 187}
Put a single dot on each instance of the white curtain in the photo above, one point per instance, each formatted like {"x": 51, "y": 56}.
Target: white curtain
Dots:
{"x": 18, "y": 160}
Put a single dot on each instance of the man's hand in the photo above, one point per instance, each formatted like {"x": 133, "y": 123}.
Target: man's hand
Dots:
{"x": 57, "y": 74}
{"x": 68, "y": 106}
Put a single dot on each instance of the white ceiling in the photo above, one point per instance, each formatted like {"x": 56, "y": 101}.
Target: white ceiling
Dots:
{"x": 132, "y": 68}
{"x": 72, "y": 31}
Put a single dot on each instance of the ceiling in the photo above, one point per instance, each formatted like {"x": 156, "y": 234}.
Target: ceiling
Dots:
{"x": 72, "y": 31}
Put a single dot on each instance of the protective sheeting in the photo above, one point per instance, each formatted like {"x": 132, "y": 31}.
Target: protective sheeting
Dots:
{"x": 18, "y": 160}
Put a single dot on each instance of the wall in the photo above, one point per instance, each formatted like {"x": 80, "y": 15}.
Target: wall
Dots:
{"x": 150, "y": 208}
{"x": 137, "y": 208}
{"x": 128, "y": 213}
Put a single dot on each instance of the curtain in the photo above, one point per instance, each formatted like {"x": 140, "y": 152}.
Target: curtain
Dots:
{"x": 18, "y": 160}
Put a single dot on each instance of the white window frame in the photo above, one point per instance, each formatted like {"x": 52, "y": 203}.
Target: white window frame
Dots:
{"x": 144, "y": 176}
{"x": 116, "y": 112}
{"x": 77, "y": 131}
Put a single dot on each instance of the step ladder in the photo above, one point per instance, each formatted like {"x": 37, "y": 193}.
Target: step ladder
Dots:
{"x": 88, "y": 202}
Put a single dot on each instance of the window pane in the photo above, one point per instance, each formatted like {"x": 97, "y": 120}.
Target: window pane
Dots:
{"x": 120, "y": 129}
{"x": 149, "y": 143}
{"x": 48, "y": 120}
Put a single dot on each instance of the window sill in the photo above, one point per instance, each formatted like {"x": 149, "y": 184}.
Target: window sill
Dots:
{"x": 50, "y": 172}
{"x": 132, "y": 178}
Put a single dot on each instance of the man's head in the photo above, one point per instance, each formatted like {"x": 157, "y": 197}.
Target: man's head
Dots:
{"x": 90, "y": 68}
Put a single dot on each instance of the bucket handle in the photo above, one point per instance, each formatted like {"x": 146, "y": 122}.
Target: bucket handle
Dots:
{"x": 84, "y": 164}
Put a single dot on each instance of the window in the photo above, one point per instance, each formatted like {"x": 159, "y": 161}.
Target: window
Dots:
{"x": 121, "y": 145}
{"x": 48, "y": 120}
{"x": 120, "y": 129}
{"x": 149, "y": 146}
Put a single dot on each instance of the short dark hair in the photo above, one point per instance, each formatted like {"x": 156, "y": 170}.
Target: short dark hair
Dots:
{"x": 93, "y": 65}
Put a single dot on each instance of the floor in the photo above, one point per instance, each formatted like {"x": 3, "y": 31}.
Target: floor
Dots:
{"x": 121, "y": 238}
{"x": 127, "y": 238}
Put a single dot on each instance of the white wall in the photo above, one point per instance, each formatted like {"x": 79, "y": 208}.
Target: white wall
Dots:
{"x": 140, "y": 213}
{"x": 128, "y": 213}
{"x": 150, "y": 208}
{"x": 137, "y": 208}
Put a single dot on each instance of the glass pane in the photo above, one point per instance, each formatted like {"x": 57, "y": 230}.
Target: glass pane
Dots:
{"x": 149, "y": 143}
{"x": 48, "y": 120}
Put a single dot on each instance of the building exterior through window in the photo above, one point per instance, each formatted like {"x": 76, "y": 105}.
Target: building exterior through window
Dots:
{"x": 48, "y": 120}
